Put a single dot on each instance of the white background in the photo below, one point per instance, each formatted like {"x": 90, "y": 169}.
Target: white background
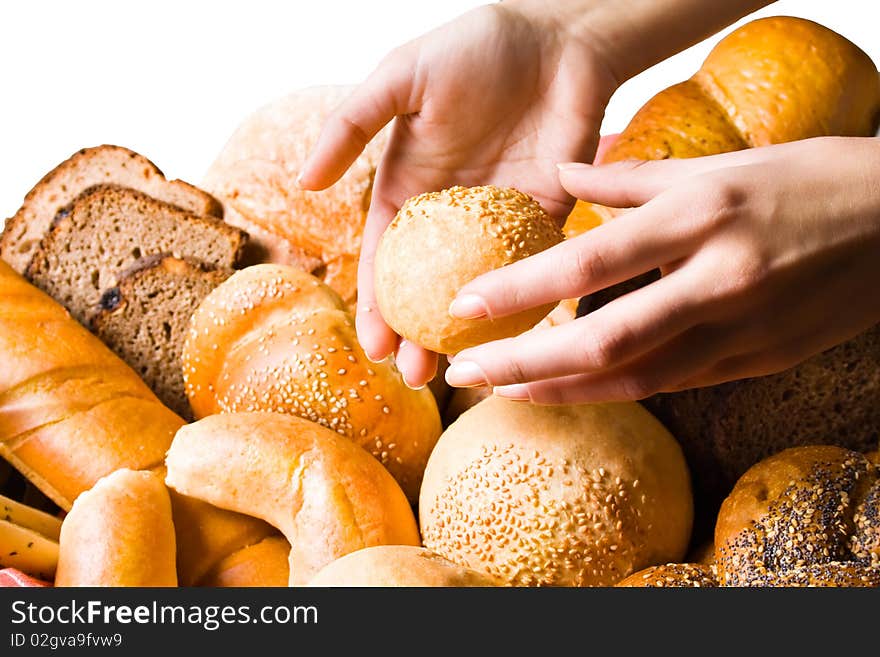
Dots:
{"x": 172, "y": 79}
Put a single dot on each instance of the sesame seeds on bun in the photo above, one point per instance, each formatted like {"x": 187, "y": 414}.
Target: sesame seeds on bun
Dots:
{"x": 579, "y": 495}
{"x": 273, "y": 338}
{"x": 438, "y": 242}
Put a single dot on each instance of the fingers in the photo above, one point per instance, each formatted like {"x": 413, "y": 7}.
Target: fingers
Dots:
{"x": 385, "y": 94}
{"x": 416, "y": 364}
{"x": 632, "y": 244}
{"x": 375, "y": 336}
{"x": 603, "y": 340}
{"x": 658, "y": 371}
{"x": 635, "y": 182}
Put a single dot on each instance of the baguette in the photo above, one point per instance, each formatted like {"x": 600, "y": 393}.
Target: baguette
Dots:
{"x": 72, "y": 412}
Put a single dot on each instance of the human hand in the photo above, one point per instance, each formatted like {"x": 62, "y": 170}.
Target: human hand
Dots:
{"x": 499, "y": 96}
{"x": 768, "y": 255}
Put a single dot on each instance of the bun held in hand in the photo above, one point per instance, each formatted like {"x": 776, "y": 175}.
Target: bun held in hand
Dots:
{"x": 440, "y": 241}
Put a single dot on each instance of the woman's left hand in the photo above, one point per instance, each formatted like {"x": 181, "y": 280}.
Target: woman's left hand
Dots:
{"x": 769, "y": 256}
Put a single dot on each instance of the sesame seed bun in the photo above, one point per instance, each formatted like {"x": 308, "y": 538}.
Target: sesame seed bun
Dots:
{"x": 672, "y": 575}
{"x": 574, "y": 495}
{"x": 273, "y": 338}
{"x": 438, "y": 242}
{"x": 808, "y": 516}
{"x": 398, "y": 565}
{"x": 324, "y": 493}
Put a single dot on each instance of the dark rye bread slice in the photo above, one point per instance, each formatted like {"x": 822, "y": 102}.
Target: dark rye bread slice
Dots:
{"x": 92, "y": 166}
{"x": 145, "y": 320}
{"x": 106, "y": 229}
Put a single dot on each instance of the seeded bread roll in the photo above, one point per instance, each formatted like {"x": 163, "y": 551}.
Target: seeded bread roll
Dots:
{"x": 440, "y": 241}
{"x": 119, "y": 533}
{"x": 672, "y": 575}
{"x": 324, "y": 493}
{"x": 556, "y": 495}
{"x": 92, "y": 166}
{"x": 273, "y": 338}
{"x": 808, "y": 516}
{"x": 399, "y": 566}
{"x": 255, "y": 176}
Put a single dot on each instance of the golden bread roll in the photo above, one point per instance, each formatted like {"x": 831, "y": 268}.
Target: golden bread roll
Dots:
{"x": 261, "y": 564}
{"x": 556, "y": 495}
{"x": 805, "y": 516}
{"x": 273, "y": 338}
{"x": 770, "y": 81}
{"x": 324, "y": 493}
{"x": 119, "y": 533}
{"x": 72, "y": 412}
{"x": 255, "y": 177}
{"x": 438, "y": 242}
{"x": 398, "y": 566}
{"x": 672, "y": 575}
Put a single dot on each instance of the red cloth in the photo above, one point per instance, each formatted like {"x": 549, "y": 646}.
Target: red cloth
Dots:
{"x": 16, "y": 578}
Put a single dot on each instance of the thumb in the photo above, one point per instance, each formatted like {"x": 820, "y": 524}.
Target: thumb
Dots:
{"x": 386, "y": 93}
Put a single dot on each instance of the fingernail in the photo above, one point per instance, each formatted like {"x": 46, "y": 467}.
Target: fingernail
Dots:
{"x": 374, "y": 359}
{"x": 514, "y": 391}
{"x": 466, "y": 374}
{"x": 411, "y": 386}
{"x": 563, "y": 166}
{"x": 468, "y": 306}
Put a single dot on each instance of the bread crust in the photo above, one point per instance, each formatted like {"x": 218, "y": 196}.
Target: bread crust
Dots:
{"x": 274, "y": 338}
{"x": 324, "y": 493}
{"x": 87, "y": 167}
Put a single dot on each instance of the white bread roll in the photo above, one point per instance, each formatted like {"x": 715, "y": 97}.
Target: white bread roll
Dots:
{"x": 438, "y": 242}
{"x": 119, "y": 533}
{"x": 398, "y": 566}
{"x": 324, "y": 493}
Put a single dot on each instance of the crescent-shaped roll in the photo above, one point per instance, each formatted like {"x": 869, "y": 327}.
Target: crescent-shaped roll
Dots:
{"x": 326, "y": 495}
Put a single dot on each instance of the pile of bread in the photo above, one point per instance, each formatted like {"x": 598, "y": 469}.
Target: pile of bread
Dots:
{"x": 184, "y": 400}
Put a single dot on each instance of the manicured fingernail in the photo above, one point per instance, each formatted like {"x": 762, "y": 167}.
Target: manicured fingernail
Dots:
{"x": 515, "y": 392}
{"x": 465, "y": 374}
{"x": 563, "y": 166}
{"x": 411, "y": 386}
{"x": 374, "y": 359}
{"x": 468, "y": 306}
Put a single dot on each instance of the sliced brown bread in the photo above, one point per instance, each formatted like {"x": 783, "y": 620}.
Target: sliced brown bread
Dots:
{"x": 106, "y": 229}
{"x": 145, "y": 319}
{"x": 92, "y": 166}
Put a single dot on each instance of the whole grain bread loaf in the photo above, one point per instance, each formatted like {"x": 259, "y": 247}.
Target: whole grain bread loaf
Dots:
{"x": 106, "y": 229}
{"x": 145, "y": 320}
{"x": 88, "y": 167}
